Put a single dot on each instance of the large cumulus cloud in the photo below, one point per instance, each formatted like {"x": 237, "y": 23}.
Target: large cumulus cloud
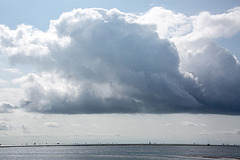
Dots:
{"x": 216, "y": 68}
{"x": 106, "y": 61}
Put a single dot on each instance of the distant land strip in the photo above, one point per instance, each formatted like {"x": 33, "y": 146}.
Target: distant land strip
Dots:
{"x": 113, "y": 144}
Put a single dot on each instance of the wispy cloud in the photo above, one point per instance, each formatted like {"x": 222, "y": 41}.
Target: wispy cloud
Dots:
{"x": 192, "y": 124}
{"x": 6, "y": 107}
{"x": 12, "y": 70}
{"x": 2, "y": 82}
{"x": 52, "y": 124}
{"x": 3, "y": 126}
{"x": 25, "y": 129}
{"x": 235, "y": 131}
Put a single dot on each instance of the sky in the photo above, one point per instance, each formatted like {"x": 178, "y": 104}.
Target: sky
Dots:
{"x": 101, "y": 71}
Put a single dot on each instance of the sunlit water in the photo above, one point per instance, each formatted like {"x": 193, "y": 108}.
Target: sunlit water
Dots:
{"x": 120, "y": 153}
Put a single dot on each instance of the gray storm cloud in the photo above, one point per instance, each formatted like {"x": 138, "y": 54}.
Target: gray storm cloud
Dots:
{"x": 106, "y": 61}
{"x": 6, "y": 107}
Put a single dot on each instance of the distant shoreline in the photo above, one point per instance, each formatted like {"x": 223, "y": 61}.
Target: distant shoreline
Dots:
{"x": 59, "y": 145}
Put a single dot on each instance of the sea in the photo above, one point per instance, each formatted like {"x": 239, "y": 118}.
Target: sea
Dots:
{"x": 121, "y": 153}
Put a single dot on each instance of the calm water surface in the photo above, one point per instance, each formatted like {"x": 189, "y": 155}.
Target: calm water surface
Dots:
{"x": 120, "y": 153}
